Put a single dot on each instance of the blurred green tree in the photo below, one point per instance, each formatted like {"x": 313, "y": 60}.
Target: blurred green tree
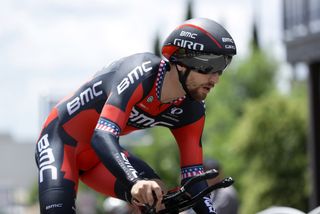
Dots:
{"x": 257, "y": 134}
{"x": 189, "y": 13}
{"x": 270, "y": 143}
{"x": 247, "y": 79}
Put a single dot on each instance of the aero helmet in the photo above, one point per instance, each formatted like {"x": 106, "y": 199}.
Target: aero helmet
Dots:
{"x": 200, "y": 44}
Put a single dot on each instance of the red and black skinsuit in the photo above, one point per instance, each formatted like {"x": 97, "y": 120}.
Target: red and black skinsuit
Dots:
{"x": 80, "y": 138}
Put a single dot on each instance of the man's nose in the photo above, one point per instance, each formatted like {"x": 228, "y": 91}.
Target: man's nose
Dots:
{"x": 214, "y": 77}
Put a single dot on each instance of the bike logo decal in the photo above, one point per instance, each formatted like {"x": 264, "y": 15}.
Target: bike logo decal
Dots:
{"x": 209, "y": 203}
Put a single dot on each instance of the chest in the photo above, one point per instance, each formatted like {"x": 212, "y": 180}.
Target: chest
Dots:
{"x": 150, "y": 112}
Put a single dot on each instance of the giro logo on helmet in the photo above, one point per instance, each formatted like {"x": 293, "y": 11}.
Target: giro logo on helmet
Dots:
{"x": 188, "y": 44}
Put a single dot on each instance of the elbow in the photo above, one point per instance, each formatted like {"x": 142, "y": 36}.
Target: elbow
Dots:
{"x": 102, "y": 142}
{"x": 96, "y": 138}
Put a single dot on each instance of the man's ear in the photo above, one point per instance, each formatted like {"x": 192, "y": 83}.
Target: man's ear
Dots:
{"x": 181, "y": 68}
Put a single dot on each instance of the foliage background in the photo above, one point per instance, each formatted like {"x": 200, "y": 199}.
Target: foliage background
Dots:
{"x": 256, "y": 131}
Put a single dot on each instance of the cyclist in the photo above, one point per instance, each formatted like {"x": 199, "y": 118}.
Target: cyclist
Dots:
{"x": 80, "y": 138}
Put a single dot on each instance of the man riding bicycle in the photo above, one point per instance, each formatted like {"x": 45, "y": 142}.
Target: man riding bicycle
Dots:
{"x": 80, "y": 138}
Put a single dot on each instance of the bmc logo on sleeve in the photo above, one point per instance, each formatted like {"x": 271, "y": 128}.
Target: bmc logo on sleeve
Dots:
{"x": 84, "y": 97}
{"x": 46, "y": 158}
{"x": 134, "y": 75}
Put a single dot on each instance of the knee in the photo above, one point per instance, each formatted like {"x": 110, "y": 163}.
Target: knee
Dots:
{"x": 57, "y": 201}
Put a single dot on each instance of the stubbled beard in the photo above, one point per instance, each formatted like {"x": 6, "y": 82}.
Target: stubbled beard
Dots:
{"x": 195, "y": 94}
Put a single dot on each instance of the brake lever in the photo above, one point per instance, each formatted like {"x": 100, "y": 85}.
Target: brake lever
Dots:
{"x": 212, "y": 173}
{"x": 207, "y": 175}
{"x": 186, "y": 203}
{"x": 226, "y": 182}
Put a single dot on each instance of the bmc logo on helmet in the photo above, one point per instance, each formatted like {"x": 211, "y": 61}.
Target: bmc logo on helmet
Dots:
{"x": 188, "y": 44}
{"x": 188, "y": 34}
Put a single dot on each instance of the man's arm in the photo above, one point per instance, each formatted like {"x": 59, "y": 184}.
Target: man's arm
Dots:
{"x": 188, "y": 138}
{"x": 113, "y": 120}
{"x": 105, "y": 141}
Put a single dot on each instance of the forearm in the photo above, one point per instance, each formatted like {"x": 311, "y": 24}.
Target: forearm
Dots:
{"x": 205, "y": 205}
{"x": 110, "y": 153}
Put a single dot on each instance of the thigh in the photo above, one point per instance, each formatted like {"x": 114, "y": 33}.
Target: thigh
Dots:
{"x": 102, "y": 180}
{"x": 58, "y": 174}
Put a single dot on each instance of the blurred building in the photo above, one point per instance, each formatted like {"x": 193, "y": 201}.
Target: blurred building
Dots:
{"x": 301, "y": 23}
{"x": 18, "y": 169}
{"x": 46, "y": 103}
{"x": 18, "y": 174}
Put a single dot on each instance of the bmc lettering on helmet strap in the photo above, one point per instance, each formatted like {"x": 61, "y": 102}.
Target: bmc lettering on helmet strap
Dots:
{"x": 46, "y": 158}
{"x": 133, "y": 75}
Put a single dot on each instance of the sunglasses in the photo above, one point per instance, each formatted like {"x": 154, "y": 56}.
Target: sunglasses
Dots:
{"x": 206, "y": 63}
{"x": 216, "y": 64}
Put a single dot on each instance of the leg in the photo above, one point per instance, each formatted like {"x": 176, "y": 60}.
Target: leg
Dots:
{"x": 58, "y": 175}
{"x": 100, "y": 178}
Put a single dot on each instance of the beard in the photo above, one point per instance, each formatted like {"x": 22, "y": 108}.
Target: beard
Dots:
{"x": 197, "y": 94}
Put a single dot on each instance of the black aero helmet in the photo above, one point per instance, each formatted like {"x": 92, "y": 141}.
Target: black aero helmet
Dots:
{"x": 200, "y": 44}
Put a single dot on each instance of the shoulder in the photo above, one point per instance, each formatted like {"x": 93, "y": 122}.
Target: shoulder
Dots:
{"x": 141, "y": 57}
{"x": 145, "y": 61}
{"x": 190, "y": 111}
{"x": 139, "y": 62}
{"x": 138, "y": 66}
{"x": 194, "y": 108}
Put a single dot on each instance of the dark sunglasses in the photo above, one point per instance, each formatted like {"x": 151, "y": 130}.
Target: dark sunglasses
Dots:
{"x": 207, "y": 64}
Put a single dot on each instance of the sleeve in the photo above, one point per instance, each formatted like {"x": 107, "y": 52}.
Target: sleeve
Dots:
{"x": 105, "y": 142}
{"x": 113, "y": 118}
{"x": 188, "y": 138}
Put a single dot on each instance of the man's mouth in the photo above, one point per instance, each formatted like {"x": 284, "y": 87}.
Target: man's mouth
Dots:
{"x": 208, "y": 87}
